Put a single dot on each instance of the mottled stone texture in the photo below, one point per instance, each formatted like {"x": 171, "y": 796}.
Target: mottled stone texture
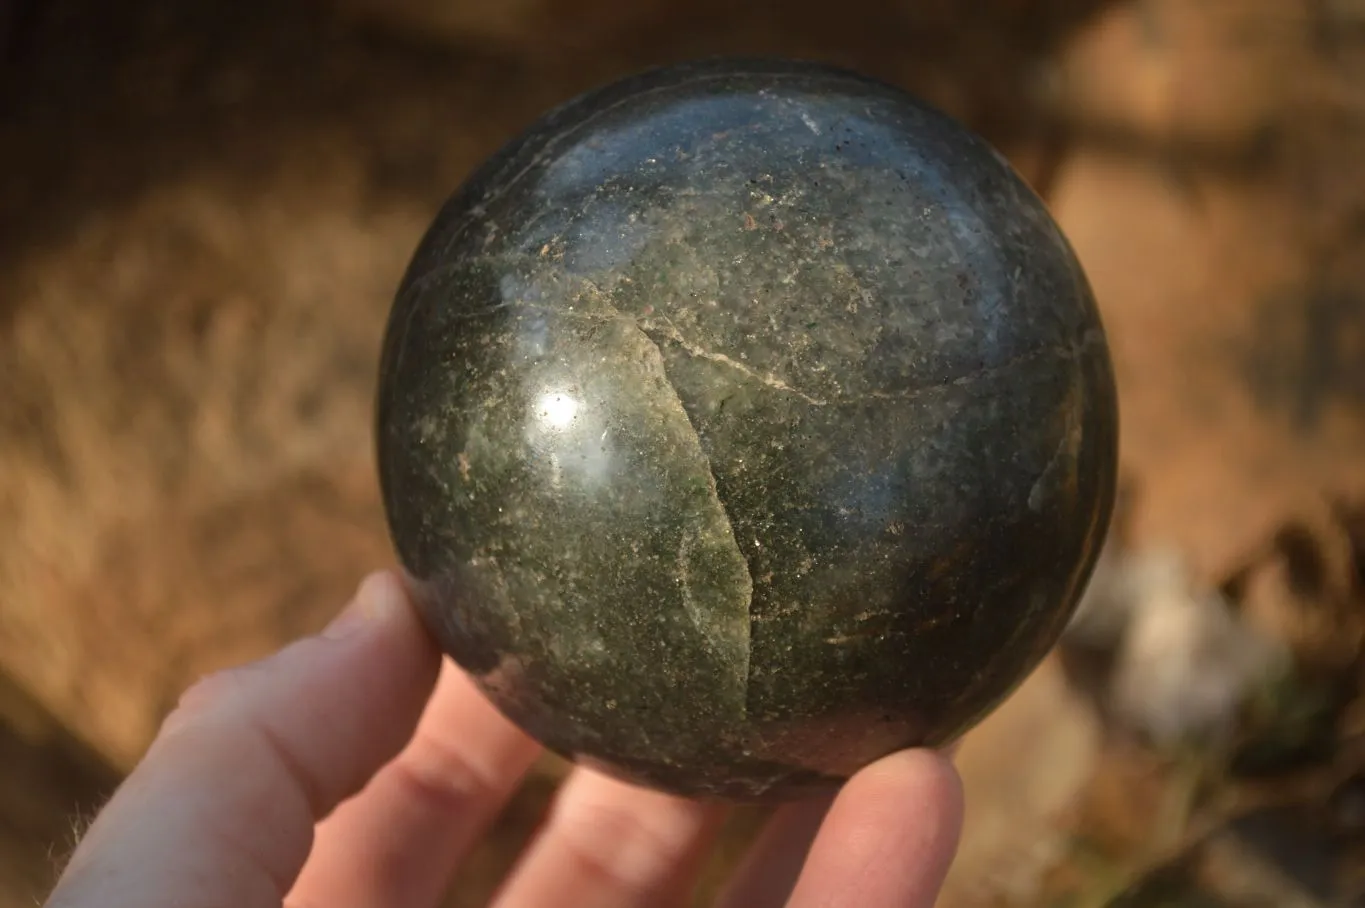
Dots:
{"x": 742, "y": 422}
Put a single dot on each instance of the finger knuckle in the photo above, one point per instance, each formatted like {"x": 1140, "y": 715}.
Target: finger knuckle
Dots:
{"x": 615, "y": 843}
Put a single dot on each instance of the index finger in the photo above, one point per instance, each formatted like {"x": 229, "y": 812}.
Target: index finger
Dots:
{"x": 221, "y": 811}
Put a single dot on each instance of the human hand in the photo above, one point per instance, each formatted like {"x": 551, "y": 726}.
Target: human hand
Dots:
{"x": 300, "y": 780}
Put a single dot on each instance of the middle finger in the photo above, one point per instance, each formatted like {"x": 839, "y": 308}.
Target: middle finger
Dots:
{"x": 401, "y": 839}
{"x": 612, "y": 845}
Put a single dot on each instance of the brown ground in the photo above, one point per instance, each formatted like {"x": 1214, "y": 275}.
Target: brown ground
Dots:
{"x": 204, "y": 209}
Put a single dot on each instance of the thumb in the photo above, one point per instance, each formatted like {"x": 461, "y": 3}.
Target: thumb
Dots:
{"x": 221, "y": 810}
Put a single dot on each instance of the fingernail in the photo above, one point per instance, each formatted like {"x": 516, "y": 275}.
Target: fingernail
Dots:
{"x": 378, "y": 596}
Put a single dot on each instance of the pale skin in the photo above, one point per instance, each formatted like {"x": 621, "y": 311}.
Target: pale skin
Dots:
{"x": 357, "y": 769}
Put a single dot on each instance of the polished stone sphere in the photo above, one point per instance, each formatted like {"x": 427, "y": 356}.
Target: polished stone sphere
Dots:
{"x": 742, "y": 422}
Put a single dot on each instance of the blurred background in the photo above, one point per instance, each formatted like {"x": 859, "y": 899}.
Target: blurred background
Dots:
{"x": 206, "y": 207}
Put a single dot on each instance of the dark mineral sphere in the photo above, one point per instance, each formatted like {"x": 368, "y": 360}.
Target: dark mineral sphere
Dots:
{"x": 743, "y": 422}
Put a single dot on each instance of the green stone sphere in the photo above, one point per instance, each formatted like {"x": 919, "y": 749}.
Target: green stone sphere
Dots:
{"x": 742, "y": 422}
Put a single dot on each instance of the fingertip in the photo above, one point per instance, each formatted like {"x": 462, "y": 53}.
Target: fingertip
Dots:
{"x": 385, "y": 594}
{"x": 890, "y": 835}
{"x": 918, "y": 771}
{"x": 916, "y": 794}
{"x": 381, "y": 600}
{"x": 925, "y": 787}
